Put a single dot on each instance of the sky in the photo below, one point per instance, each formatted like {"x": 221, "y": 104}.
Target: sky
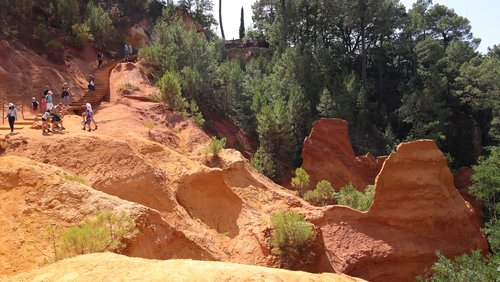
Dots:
{"x": 484, "y": 16}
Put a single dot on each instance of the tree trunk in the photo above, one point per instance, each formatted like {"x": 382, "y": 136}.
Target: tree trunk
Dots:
{"x": 363, "y": 44}
{"x": 220, "y": 20}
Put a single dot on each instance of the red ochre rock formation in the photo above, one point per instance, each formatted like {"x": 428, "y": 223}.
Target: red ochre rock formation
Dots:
{"x": 328, "y": 154}
{"x": 416, "y": 211}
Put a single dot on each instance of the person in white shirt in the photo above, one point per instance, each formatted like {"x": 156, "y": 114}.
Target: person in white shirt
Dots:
{"x": 88, "y": 106}
{"x": 45, "y": 125}
{"x": 12, "y": 116}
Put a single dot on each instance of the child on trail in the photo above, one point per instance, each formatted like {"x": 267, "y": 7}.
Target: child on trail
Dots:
{"x": 88, "y": 120}
{"x": 12, "y": 116}
{"x": 34, "y": 107}
{"x": 88, "y": 109}
{"x": 65, "y": 94}
{"x": 49, "y": 99}
{"x": 45, "y": 118}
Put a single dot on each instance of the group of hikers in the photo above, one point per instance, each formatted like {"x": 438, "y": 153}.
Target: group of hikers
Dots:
{"x": 52, "y": 116}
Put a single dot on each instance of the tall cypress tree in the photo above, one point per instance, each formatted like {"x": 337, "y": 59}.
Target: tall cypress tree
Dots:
{"x": 220, "y": 20}
{"x": 242, "y": 24}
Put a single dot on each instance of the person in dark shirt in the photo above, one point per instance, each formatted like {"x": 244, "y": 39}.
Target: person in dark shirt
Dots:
{"x": 99, "y": 59}
{"x": 65, "y": 94}
{"x": 46, "y": 91}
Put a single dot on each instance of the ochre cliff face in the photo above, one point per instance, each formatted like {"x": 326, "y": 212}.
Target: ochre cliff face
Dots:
{"x": 328, "y": 154}
{"x": 416, "y": 211}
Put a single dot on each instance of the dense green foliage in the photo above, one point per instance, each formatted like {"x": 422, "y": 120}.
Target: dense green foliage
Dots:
{"x": 322, "y": 195}
{"x": 394, "y": 75}
{"x": 349, "y": 196}
{"x": 379, "y": 67}
{"x": 100, "y": 24}
{"x": 99, "y": 233}
{"x": 464, "y": 268}
{"x": 486, "y": 187}
{"x": 82, "y": 22}
{"x": 291, "y": 235}
{"x": 264, "y": 163}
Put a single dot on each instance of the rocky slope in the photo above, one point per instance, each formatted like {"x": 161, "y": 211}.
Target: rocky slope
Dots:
{"x": 112, "y": 267}
{"x": 328, "y": 154}
{"x": 24, "y": 72}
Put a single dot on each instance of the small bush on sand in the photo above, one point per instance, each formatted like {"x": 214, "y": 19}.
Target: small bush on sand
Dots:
{"x": 301, "y": 180}
{"x": 129, "y": 87}
{"x": 349, "y": 196}
{"x": 322, "y": 195}
{"x": 76, "y": 178}
{"x": 171, "y": 91}
{"x": 100, "y": 233}
{"x": 215, "y": 146}
{"x": 292, "y": 235}
{"x": 194, "y": 114}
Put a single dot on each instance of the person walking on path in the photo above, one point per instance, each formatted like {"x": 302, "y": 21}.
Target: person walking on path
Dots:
{"x": 91, "y": 83}
{"x": 12, "y": 116}
{"x": 88, "y": 107}
{"x": 45, "y": 122}
{"x": 128, "y": 52}
{"x": 99, "y": 59}
{"x": 65, "y": 95}
{"x": 34, "y": 107}
{"x": 50, "y": 101}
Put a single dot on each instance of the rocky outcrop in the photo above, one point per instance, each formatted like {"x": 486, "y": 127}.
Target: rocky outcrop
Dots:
{"x": 112, "y": 267}
{"x": 193, "y": 211}
{"x": 416, "y": 211}
{"x": 34, "y": 195}
{"x": 328, "y": 154}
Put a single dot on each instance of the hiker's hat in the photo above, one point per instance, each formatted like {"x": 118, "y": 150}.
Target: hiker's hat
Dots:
{"x": 11, "y": 105}
{"x": 34, "y": 98}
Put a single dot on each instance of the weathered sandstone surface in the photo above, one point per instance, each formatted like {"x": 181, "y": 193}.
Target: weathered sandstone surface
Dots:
{"x": 113, "y": 267}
